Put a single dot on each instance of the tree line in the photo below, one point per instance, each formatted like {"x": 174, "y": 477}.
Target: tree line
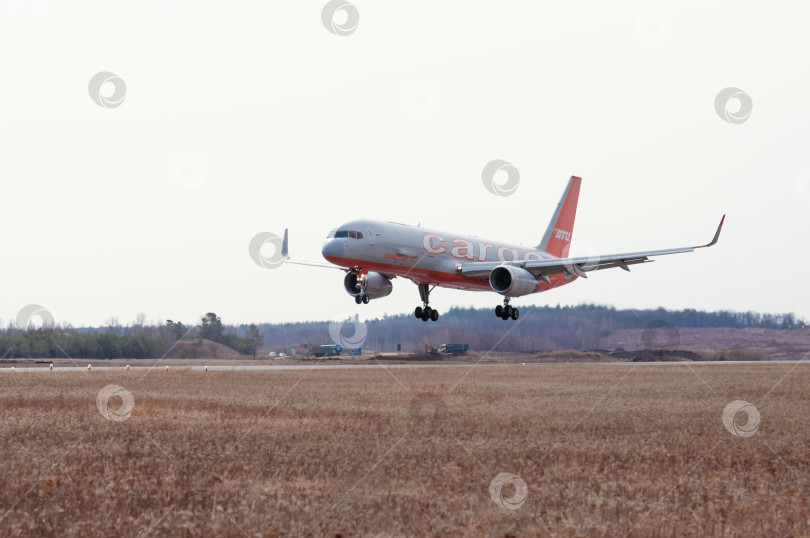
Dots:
{"x": 53, "y": 343}
{"x": 539, "y": 328}
{"x": 139, "y": 341}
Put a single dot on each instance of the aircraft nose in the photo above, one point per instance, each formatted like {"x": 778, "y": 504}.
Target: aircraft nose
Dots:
{"x": 332, "y": 249}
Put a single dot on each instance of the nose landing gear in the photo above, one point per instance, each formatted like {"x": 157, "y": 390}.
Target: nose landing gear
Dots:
{"x": 361, "y": 286}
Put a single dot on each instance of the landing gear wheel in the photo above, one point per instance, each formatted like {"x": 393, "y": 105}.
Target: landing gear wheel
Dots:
{"x": 425, "y": 312}
{"x": 498, "y": 311}
{"x": 504, "y": 316}
{"x": 366, "y": 299}
{"x": 515, "y": 314}
{"x": 358, "y": 299}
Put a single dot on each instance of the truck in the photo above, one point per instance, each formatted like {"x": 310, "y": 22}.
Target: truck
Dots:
{"x": 328, "y": 350}
{"x": 454, "y": 349}
{"x": 446, "y": 349}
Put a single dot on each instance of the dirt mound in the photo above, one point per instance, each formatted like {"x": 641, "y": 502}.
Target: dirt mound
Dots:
{"x": 202, "y": 349}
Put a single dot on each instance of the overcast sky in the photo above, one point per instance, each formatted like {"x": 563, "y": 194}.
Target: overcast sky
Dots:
{"x": 248, "y": 117}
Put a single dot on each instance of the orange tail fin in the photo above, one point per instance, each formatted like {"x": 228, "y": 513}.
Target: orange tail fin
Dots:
{"x": 557, "y": 239}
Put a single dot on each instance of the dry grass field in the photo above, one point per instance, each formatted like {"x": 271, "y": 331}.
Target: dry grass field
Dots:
{"x": 629, "y": 450}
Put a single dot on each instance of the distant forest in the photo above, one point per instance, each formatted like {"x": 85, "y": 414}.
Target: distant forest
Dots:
{"x": 539, "y": 328}
{"x": 136, "y": 341}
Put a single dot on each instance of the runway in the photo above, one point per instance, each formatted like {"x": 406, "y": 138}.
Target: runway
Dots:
{"x": 377, "y": 365}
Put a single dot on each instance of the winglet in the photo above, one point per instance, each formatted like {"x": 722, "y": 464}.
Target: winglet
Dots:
{"x": 716, "y": 234}
{"x": 285, "y": 250}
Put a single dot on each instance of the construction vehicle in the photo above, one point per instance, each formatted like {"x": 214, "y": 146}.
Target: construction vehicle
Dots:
{"x": 446, "y": 349}
{"x": 328, "y": 350}
{"x": 454, "y": 349}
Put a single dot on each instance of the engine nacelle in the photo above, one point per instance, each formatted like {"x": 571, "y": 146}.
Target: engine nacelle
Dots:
{"x": 512, "y": 281}
{"x": 376, "y": 285}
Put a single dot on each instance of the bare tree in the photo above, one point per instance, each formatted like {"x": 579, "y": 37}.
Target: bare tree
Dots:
{"x": 112, "y": 324}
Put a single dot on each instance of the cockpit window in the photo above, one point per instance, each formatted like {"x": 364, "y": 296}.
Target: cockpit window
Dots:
{"x": 331, "y": 234}
{"x": 346, "y": 233}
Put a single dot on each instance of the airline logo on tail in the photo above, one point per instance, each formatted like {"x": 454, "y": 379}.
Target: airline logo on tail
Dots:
{"x": 562, "y": 234}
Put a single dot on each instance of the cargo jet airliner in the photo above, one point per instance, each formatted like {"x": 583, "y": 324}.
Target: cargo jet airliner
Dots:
{"x": 373, "y": 253}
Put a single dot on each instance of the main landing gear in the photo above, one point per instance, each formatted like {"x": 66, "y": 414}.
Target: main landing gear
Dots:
{"x": 425, "y": 312}
{"x": 506, "y": 311}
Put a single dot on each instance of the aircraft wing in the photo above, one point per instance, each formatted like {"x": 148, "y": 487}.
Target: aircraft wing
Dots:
{"x": 578, "y": 266}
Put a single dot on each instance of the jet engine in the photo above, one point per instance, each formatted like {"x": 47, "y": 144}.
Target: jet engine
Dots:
{"x": 512, "y": 281}
{"x": 377, "y": 285}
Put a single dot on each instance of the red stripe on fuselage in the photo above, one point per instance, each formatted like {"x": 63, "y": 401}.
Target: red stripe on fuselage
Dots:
{"x": 440, "y": 278}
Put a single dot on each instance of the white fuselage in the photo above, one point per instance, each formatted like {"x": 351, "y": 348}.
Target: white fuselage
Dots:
{"x": 422, "y": 255}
